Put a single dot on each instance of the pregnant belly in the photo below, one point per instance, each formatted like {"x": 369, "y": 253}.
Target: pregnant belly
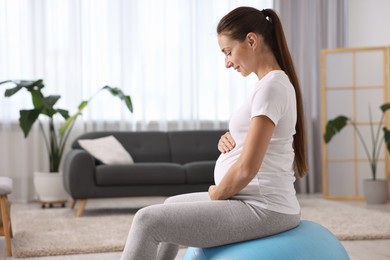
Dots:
{"x": 224, "y": 162}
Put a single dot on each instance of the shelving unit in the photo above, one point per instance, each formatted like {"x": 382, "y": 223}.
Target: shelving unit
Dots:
{"x": 354, "y": 81}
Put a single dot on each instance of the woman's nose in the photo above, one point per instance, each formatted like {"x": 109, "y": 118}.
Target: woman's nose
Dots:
{"x": 228, "y": 64}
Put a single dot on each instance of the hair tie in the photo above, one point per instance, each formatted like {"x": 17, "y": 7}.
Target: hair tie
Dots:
{"x": 264, "y": 12}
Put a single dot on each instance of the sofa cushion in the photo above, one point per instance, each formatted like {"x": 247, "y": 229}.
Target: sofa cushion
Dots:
{"x": 194, "y": 146}
{"x": 107, "y": 149}
{"x": 140, "y": 174}
{"x": 200, "y": 172}
{"x": 147, "y": 146}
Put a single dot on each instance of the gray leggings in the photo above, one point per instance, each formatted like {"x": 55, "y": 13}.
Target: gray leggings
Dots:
{"x": 194, "y": 220}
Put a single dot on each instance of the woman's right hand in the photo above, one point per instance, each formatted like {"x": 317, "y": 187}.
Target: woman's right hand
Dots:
{"x": 226, "y": 143}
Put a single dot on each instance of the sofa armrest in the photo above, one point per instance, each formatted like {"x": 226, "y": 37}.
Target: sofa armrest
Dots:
{"x": 79, "y": 174}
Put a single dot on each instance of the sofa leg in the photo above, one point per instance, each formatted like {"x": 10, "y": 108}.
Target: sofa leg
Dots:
{"x": 73, "y": 204}
{"x": 80, "y": 211}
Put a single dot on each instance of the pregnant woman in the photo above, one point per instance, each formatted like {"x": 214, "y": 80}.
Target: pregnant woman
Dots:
{"x": 263, "y": 151}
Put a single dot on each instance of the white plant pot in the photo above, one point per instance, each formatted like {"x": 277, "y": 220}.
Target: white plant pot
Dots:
{"x": 376, "y": 192}
{"x": 49, "y": 187}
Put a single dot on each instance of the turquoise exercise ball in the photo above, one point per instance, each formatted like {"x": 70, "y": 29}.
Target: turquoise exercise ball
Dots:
{"x": 308, "y": 241}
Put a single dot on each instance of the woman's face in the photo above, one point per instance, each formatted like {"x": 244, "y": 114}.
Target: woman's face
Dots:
{"x": 238, "y": 55}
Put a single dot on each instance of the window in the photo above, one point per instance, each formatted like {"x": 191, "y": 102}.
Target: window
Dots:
{"x": 163, "y": 53}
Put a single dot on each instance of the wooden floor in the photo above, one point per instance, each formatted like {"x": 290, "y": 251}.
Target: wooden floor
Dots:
{"x": 357, "y": 250}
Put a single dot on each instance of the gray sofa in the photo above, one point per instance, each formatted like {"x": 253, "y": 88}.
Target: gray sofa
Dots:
{"x": 165, "y": 164}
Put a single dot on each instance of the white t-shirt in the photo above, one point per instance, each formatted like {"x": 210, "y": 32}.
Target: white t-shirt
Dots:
{"x": 273, "y": 186}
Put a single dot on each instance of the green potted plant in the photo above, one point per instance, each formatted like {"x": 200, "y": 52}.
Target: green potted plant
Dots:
{"x": 55, "y": 136}
{"x": 375, "y": 190}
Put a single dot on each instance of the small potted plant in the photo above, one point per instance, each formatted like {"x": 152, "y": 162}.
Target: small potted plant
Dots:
{"x": 375, "y": 190}
{"x": 55, "y": 136}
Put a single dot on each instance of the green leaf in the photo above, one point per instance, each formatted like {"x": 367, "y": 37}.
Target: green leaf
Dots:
{"x": 387, "y": 138}
{"x": 129, "y": 104}
{"x": 64, "y": 113}
{"x": 64, "y": 127}
{"x": 27, "y": 84}
{"x": 68, "y": 122}
{"x": 37, "y": 98}
{"x": 334, "y": 126}
{"x": 6, "y": 81}
{"x": 47, "y": 105}
{"x": 385, "y": 106}
{"x": 117, "y": 92}
{"x": 32, "y": 85}
{"x": 11, "y": 91}
{"x": 51, "y": 100}
{"x": 82, "y": 105}
{"x": 27, "y": 119}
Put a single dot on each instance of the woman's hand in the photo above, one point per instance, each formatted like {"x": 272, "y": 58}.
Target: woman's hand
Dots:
{"x": 247, "y": 166}
{"x": 212, "y": 192}
{"x": 226, "y": 143}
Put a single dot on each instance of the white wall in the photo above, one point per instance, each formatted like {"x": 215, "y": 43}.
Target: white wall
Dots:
{"x": 369, "y": 23}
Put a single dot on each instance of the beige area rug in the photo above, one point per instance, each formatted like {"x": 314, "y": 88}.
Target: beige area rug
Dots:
{"x": 347, "y": 222}
{"x": 49, "y": 232}
{"x": 52, "y": 232}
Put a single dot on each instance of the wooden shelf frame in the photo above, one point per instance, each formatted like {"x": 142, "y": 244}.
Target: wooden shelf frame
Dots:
{"x": 355, "y": 159}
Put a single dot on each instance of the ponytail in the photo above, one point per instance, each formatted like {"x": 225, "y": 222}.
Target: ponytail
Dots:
{"x": 283, "y": 56}
{"x": 242, "y": 20}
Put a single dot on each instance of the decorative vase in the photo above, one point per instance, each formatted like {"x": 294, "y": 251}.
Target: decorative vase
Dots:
{"x": 49, "y": 188}
{"x": 376, "y": 191}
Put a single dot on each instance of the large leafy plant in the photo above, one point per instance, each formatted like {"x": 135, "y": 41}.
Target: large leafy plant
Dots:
{"x": 335, "y": 125}
{"x": 55, "y": 137}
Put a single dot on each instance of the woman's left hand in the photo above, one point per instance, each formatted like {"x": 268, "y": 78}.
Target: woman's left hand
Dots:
{"x": 226, "y": 143}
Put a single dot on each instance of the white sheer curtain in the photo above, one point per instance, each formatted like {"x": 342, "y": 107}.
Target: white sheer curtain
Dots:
{"x": 311, "y": 25}
{"x": 163, "y": 53}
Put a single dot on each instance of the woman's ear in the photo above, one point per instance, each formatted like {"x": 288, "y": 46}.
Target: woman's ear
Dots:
{"x": 252, "y": 39}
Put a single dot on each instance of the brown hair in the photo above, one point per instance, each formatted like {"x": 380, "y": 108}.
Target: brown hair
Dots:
{"x": 243, "y": 20}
